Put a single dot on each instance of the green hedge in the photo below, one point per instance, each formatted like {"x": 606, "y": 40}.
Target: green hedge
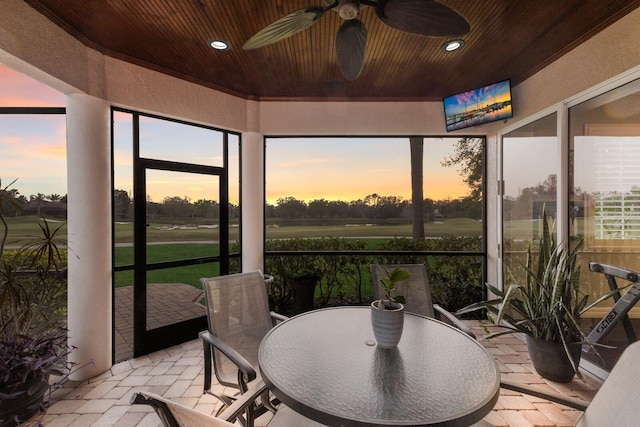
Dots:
{"x": 456, "y": 281}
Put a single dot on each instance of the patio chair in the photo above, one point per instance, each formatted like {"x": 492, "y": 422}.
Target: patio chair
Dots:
{"x": 238, "y": 318}
{"x": 417, "y": 293}
{"x": 616, "y": 403}
{"x": 173, "y": 414}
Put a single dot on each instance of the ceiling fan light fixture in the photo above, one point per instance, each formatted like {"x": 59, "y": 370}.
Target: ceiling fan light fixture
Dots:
{"x": 452, "y": 45}
{"x": 428, "y": 18}
{"x": 349, "y": 10}
{"x": 220, "y": 45}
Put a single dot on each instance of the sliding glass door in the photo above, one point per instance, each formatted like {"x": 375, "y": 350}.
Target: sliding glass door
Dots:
{"x": 530, "y": 164}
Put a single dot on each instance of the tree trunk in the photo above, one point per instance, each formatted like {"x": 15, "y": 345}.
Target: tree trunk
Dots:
{"x": 417, "y": 192}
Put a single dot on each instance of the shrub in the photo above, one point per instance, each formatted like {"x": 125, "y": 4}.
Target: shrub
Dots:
{"x": 456, "y": 281}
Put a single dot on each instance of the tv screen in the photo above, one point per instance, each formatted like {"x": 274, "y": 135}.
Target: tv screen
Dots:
{"x": 475, "y": 107}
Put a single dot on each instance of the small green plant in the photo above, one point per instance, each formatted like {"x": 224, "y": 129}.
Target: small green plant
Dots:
{"x": 389, "y": 281}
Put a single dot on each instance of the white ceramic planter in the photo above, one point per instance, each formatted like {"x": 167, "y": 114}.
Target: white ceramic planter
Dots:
{"x": 387, "y": 324}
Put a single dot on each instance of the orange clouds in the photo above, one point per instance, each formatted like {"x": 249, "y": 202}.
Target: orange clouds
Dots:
{"x": 19, "y": 90}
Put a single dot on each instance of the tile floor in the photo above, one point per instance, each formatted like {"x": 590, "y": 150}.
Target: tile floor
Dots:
{"x": 176, "y": 373}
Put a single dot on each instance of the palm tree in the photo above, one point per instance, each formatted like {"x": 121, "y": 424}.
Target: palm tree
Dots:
{"x": 417, "y": 191}
{"x": 38, "y": 200}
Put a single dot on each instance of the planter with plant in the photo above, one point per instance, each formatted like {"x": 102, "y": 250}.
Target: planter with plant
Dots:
{"x": 546, "y": 308}
{"x": 33, "y": 340}
{"x": 387, "y": 313}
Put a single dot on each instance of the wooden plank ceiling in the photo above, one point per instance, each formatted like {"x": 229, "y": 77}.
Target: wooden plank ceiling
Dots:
{"x": 508, "y": 39}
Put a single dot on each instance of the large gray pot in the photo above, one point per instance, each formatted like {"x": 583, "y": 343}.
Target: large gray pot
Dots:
{"x": 24, "y": 405}
{"x": 387, "y": 324}
{"x": 550, "y": 359}
{"x": 303, "y": 292}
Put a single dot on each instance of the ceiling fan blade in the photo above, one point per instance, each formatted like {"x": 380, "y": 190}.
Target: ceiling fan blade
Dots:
{"x": 351, "y": 41}
{"x": 284, "y": 27}
{"x": 422, "y": 17}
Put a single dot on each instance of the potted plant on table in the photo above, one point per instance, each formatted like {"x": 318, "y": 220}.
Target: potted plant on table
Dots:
{"x": 387, "y": 313}
{"x": 33, "y": 340}
{"x": 547, "y": 308}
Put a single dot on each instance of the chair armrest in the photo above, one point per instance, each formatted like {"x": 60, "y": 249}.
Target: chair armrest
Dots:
{"x": 239, "y": 406}
{"x": 454, "y": 320}
{"x": 166, "y": 408}
{"x": 243, "y": 364}
{"x": 278, "y": 317}
{"x": 160, "y": 407}
{"x": 571, "y": 402}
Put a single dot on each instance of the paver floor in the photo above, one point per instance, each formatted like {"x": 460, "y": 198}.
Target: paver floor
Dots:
{"x": 166, "y": 303}
{"x": 177, "y": 373}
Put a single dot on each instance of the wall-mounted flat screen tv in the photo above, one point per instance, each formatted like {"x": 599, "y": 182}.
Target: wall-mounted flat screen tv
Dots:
{"x": 475, "y": 107}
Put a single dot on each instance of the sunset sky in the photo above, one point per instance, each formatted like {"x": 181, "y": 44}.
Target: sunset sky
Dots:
{"x": 353, "y": 168}
{"x": 305, "y": 168}
{"x": 34, "y": 154}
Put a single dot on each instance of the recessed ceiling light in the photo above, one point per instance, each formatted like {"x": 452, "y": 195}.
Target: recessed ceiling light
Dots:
{"x": 452, "y": 45}
{"x": 219, "y": 44}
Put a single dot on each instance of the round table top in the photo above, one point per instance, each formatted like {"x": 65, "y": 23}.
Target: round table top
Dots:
{"x": 325, "y": 365}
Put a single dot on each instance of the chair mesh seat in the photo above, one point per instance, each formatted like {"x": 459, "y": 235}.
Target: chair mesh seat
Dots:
{"x": 238, "y": 314}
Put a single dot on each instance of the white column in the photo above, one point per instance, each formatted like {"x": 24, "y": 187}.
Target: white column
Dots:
{"x": 89, "y": 234}
{"x": 252, "y": 201}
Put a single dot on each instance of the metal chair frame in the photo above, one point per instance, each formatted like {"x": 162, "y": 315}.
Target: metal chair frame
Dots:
{"x": 173, "y": 414}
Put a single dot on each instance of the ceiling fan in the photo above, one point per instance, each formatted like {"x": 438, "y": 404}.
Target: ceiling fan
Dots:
{"x": 422, "y": 17}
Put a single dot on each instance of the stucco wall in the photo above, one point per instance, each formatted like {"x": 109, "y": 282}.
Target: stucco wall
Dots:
{"x": 31, "y": 41}
{"x": 611, "y": 52}
{"x": 144, "y": 90}
{"x": 355, "y": 118}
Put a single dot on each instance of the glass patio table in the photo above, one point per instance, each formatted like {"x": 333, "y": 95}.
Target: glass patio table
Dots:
{"x": 326, "y": 365}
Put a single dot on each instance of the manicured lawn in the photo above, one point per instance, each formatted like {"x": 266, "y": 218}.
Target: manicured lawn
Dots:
{"x": 190, "y": 275}
{"x": 169, "y": 252}
{"x": 25, "y": 228}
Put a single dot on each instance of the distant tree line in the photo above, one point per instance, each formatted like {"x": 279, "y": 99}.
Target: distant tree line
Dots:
{"x": 52, "y": 205}
{"x": 373, "y": 207}
{"x": 171, "y": 207}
